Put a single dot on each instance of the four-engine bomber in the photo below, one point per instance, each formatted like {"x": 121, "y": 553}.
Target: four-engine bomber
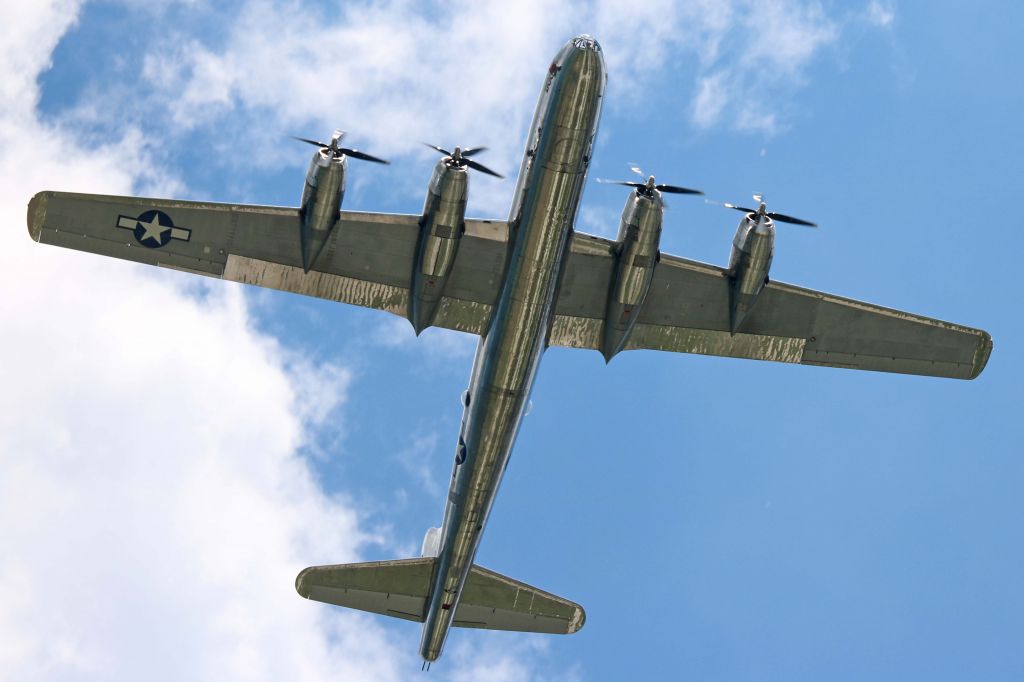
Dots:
{"x": 514, "y": 289}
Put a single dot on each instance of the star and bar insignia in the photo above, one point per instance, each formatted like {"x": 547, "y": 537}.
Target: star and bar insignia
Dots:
{"x": 153, "y": 228}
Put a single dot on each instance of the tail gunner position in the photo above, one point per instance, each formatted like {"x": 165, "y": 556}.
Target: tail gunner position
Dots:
{"x": 522, "y": 284}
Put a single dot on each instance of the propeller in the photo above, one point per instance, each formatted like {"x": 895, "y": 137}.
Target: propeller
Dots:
{"x": 648, "y": 186}
{"x": 762, "y": 212}
{"x": 337, "y": 151}
{"x": 460, "y": 158}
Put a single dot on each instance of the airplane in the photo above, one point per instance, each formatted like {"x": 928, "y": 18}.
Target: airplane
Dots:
{"x": 521, "y": 284}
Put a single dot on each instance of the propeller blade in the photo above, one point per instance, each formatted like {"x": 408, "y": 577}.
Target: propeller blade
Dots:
{"x": 782, "y": 218}
{"x": 626, "y": 183}
{"x": 473, "y": 150}
{"x": 315, "y": 143}
{"x": 479, "y": 166}
{"x": 672, "y": 189}
{"x": 356, "y": 154}
{"x": 740, "y": 208}
{"x": 436, "y": 148}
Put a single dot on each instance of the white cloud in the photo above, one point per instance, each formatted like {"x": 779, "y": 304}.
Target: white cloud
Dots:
{"x": 712, "y": 96}
{"x": 497, "y": 659}
{"x": 153, "y": 505}
{"x": 468, "y": 73}
{"x": 880, "y": 13}
{"x": 417, "y": 460}
{"x": 597, "y": 220}
{"x": 772, "y": 43}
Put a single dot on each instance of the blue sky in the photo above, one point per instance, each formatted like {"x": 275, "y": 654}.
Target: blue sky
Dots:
{"x": 719, "y": 519}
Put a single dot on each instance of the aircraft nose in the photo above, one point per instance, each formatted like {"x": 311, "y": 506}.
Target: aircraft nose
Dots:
{"x": 582, "y": 45}
{"x": 585, "y": 42}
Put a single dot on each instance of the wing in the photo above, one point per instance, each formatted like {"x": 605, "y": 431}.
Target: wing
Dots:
{"x": 687, "y": 311}
{"x": 367, "y": 262}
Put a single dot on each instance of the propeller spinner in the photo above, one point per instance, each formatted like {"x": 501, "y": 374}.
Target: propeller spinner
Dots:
{"x": 460, "y": 158}
{"x": 762, "y": 212}
{"x": 335, "y": 150}
{"x": 647, "y": 187}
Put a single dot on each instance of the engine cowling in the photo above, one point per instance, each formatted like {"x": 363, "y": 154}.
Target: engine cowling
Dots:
{"x": 752, "y": 250}
{"x": 441, "y": 227}
{"x": 638, "y": 240}
{"x": 321, "y": 203}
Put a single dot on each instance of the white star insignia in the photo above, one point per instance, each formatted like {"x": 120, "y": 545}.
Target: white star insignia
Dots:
{"x": 153, "y": 229}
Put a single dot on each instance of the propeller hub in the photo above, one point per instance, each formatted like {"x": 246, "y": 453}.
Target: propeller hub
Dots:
{"x": 459, "y": 158}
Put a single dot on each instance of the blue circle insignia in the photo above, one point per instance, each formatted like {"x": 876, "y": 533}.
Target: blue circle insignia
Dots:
{"x": 153, "y": 229}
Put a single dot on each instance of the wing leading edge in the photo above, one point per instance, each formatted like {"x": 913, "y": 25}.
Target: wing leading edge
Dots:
{"x": 687, "y": 311}
{"x": 367, "y": 262}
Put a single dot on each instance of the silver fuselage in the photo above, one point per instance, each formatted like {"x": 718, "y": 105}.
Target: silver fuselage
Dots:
{"x": 540, "y": 222}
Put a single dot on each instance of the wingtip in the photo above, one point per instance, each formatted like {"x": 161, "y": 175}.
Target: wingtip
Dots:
{"x": 302, "y": 583}
{"x": 578, "y": 620}
{"x": 37, "y": 214}
{"x": 982, "y": 354}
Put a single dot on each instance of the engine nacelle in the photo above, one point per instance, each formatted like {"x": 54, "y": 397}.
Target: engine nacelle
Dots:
{"x": 752, "y": 250}
{"x": 321, "y": 203}
{"x": 638, "y": 240}
{"x": 441, "y": 228}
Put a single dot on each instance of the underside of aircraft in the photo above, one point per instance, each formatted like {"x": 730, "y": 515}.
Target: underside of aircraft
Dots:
{"x": 522, "y": 284}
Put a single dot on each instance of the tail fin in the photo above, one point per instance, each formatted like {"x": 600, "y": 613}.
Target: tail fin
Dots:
{"x": 401, "y": 589}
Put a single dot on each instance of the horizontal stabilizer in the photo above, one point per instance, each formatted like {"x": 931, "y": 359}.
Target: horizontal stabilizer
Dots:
{"x": 496, "y": 602}
{"x": 392, "y": 588}
{"x": 401, "y": 588}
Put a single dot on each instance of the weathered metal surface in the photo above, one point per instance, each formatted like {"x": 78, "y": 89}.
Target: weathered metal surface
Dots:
{"x": 319, "y": 284}
{"x": 452, "y": 313}
{"x": 712, "y": 342}
{"x": 584, "y": 332}
{"x": 570, "y": 331}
